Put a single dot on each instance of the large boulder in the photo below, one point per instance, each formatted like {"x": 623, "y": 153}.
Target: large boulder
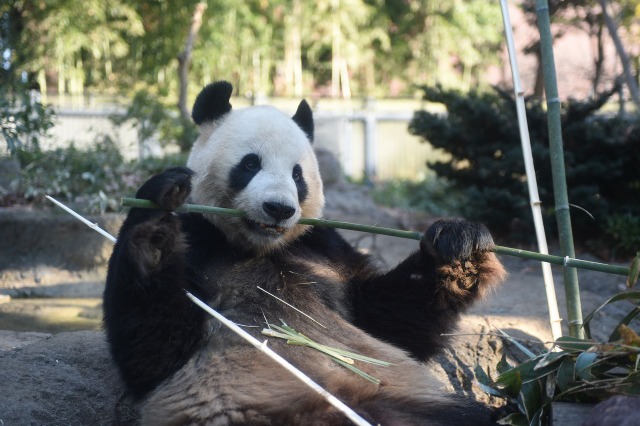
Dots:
{"x": 65, "y": 379}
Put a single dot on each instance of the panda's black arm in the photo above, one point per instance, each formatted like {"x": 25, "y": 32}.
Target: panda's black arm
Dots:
{"x": 400, "y": 306}
{"x": 152, "y": 327}
{"x": 406, "y": 306}
{"x": 422, "y": 298}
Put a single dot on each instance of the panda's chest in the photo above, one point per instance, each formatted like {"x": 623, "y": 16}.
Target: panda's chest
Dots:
{"x": 247, "y": 288}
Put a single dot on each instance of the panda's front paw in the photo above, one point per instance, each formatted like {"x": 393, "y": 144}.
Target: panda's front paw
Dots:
{"x": 465, "y": 264}
{"x": 154, "y": 241}
{"x": 168, "y": 189}
{"x": 456, "y": 239}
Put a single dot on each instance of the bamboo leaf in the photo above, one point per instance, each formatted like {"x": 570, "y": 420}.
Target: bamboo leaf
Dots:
{"x": 515, "y": 419}
{"x": 525, "y": 372}
{"x": 491, "y": 391}
{"x": 358, "y": 371}
{"x": 634, "y": 271}
{"x": 584, "y": 362}
{"x": 566, "y": 374}
{"x": 359, "y": 357}
{"x": 503, "y": 365}
{"x": 342, "y": 357}
{"x": 481, "y": 376}
{"x": 531, "y": 398}
{"x": 517, "y": 344}
{"x": 573, "y": 344}
{"x": 549, "y": 359}
{"x": 510, "y": 382}
{"x": 537, "y": 418}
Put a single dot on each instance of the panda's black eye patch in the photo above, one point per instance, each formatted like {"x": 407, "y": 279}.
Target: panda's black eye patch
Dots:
{"x": 301, "y": 185}
{"x": 242, "y": 173}
{"x": 297, "y": 173}
{"x": 251, "y": 162}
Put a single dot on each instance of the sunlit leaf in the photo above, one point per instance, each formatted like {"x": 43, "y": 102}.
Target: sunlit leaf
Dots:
{"x": 550, "y": 358}
{"x": 584, "y": 363}
{"x": 491, "y": 391}
{"x": 531, "y": 397}
{"x": 515, "y": 419}
{"x": 568, "y": 343}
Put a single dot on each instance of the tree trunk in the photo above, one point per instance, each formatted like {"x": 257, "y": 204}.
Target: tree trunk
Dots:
{"x": 184, "y": 59}
{"x": 599, "y": 61}
{"x": 335, "y": 48}
{"x": 628, "y": 75}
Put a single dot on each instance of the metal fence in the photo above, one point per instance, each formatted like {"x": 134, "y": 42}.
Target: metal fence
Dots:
{"x": 369, "y": 145}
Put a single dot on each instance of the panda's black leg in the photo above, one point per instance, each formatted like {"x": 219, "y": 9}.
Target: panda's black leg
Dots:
{"x": 415, "y": 303}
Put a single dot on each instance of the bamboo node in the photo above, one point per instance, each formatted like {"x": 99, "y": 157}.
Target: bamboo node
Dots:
{"x": 555, "y": 100}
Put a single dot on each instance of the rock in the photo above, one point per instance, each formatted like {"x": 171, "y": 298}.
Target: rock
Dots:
{"x": 10, "y": 340}
{"x": 65, "y": 379}
{"x": 41, "y": 238}
{"x": 616, "y": 411}
{"x": 330, "y": 168}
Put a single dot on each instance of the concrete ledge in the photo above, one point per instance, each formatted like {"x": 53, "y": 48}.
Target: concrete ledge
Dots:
{"x": 44, "y": 238}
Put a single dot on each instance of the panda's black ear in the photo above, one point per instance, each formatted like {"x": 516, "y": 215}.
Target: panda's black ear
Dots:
{"x": 212, "y": 102}
{"x": 304, "y": 119}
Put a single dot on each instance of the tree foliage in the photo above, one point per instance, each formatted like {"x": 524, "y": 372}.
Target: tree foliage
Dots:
{"x": 262, "y": 46}
{"x": 480, "y": 133}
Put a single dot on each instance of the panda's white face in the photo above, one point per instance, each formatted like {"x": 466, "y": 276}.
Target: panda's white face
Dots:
{"x": 257, "y": 160}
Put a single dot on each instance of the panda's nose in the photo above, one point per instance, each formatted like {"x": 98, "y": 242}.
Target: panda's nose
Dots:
{"x": 278, "y": 211}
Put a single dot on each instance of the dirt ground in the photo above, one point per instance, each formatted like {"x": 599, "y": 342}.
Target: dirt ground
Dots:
{"x": 519, "y": 307}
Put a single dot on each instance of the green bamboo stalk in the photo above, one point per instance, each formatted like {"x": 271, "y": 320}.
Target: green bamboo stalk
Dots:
{"x": 411, "y": 235}
{"x": 563, "y": 217}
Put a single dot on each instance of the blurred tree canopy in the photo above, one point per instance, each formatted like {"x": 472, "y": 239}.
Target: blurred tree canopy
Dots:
{"x": 281, "y": 47}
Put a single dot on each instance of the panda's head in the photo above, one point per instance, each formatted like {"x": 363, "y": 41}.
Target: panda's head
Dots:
{"x": 258, "y": 160}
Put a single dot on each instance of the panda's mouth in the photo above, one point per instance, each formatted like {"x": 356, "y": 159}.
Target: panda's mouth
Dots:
{"x": 272, "y": 229}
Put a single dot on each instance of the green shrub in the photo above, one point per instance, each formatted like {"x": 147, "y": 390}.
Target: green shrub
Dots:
{"x": 480, "y": 132}
{"x": 24, "y": 120}
{"x": 624, "y": 232}
{"x": 94, "y": 180}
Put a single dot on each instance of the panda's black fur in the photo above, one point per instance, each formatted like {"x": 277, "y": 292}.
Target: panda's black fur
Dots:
{"x": 185, "y": 368}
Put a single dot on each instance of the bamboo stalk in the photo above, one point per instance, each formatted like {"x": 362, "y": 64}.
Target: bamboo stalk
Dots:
{"x": 532, "y": 183}
{"x": 563, "y": 217}
{"x": 412, "y": 235}
{"x": 91, "y": 225}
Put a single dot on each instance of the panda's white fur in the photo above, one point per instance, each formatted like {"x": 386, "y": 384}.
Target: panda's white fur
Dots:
{"x": 281, "y": 144}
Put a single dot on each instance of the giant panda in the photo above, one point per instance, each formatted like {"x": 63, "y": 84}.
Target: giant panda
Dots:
{"x": 183, "y": 367}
